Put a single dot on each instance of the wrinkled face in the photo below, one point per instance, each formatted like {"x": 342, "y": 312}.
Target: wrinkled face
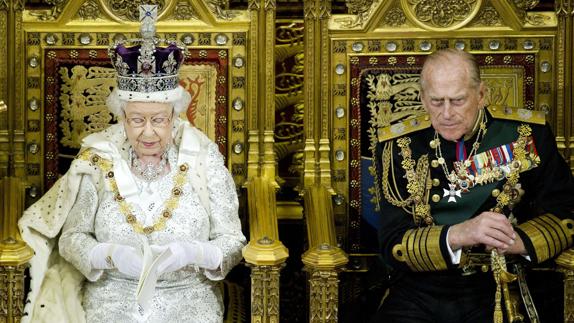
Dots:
{"x": 451, "y": 99}
{"x": 148, "y": 127}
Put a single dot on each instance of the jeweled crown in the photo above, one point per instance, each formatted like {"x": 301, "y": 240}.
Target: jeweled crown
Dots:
{"x": 147, "y": 64}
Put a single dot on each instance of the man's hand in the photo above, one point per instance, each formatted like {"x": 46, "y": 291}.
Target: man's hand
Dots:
{"x": 515, "y": 249}
{"x": 488, "y": 228}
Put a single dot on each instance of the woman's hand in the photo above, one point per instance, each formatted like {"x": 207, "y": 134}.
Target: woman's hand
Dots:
{"x": 125, "y": 259}
{"x": 196, "y": 253}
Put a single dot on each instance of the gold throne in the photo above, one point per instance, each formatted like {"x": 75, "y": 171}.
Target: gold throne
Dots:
{"x": 336, "y": 48}
{"x": 60, "y": 75}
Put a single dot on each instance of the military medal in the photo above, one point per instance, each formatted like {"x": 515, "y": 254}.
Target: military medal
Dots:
{"x": 460, "y": 179}
{"x": 452, "y": 192}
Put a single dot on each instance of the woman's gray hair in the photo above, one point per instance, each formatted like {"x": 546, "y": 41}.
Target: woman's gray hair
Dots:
{"x": 179, "y": 98}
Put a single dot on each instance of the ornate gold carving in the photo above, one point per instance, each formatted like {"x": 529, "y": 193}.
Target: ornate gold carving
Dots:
{"x": 568, "y": 295}
{"x": 254, "y": 4}
{"x": 50, "y": 14}
{"x": 324, "y": 294}
{"x": 361, "y": 9}
{"x": 184, "y": 11}
{"x": 129, "y": 9}
{"x": 11, "y": 293}
{"x": 566, "y": 265}
{"x": 538, "y": 19}
{"x": 291, "y": 130}
{"x": 290, "y": 82}
{"x": 395, "y": 17}
{"x": 3, "y": 65}
{"x": 82, "y": 98}
{"x": 218, "y": 8}
{"x": 265, "y": 294}
{"x": 488, "y": 16}
{"x": 323, "y": 261}
{"x": 14, "y": 254}
{"x": 289, "y": 103}
{"x": 502, "y": 83}
{"x": 563, "y": 7}
{"x": 310, "y": 10}
{"x": 525, "y": 4}
{"x": 441, "y": 14}
{"x": 90, "y": 10}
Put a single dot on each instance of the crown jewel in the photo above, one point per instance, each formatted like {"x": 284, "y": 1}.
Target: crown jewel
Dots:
{"x": 147, "y": 64}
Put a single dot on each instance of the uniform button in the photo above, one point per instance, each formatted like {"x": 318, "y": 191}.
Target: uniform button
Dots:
{"x": 434, "y": 163}
{"x": 495, "y": 192}
{"x": 435, "y": 182}
{"x": 436, "y": 198}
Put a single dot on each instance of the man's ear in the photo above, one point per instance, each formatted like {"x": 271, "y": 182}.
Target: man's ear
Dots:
{"x": 422, "y": 97}
{"x": 482, "y": 90}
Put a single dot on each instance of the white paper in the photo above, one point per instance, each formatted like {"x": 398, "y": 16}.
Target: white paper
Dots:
{"x": 148, "y": 279}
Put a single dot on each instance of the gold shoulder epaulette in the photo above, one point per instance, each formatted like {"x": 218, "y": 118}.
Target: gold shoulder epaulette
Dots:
{"x": 404, "y": 127}
{"x": 517, "y": 114}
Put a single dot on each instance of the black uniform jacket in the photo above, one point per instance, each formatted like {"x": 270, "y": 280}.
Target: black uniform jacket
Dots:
{"x": 413, "y": 232}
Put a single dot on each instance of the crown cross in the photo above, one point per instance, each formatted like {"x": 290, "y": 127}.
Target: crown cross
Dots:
{"x": 146, "y": 60}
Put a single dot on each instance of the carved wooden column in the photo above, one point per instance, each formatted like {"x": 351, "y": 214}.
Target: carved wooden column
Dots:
{"x": 565, "y": 79}
{"x": 565, "y": 126}
{"x": 264, "y": 253}
{"x": 566, "y": 263}
{"x": 10, "y": 78}
{"x": 324, "y": 260}
{"x": 317, "y": 166}
{"x": 261, "y": 122}
{"x": 14, "y": 254}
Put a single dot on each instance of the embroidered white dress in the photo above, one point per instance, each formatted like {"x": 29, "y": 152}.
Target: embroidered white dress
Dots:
{"x": 188, "y": 295}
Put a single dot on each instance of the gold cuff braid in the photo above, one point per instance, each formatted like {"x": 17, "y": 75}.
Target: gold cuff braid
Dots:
{"x": 420, "y": 249}
{"x": 549, "y": 235}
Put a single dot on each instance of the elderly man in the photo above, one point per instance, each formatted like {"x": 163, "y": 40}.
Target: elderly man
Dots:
{"x": 466, "y": 182}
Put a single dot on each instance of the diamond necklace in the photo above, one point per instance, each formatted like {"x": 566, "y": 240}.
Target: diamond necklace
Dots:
{"x": 459, "y": 178}
{"x": 148, "y": 172}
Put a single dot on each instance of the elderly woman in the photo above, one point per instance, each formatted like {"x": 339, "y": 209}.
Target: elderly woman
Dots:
{"x": 150, "y": 194}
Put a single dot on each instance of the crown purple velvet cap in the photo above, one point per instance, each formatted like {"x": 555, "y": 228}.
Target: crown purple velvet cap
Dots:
{"x": 145, "y": 67}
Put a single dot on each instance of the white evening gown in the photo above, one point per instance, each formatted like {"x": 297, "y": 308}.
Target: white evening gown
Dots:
{"x": 188, "y": 295}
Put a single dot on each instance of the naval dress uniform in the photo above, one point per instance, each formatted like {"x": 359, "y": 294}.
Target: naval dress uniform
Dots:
{"x": 426, "y": 184}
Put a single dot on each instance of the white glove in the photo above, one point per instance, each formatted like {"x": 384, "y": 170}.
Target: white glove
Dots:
{"x": 195, "y": 253}
{"x": 125, "y": 259}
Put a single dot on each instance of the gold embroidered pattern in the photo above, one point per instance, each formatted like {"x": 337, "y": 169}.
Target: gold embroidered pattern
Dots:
{"x": 549, "y": 235}
{"x": 508, "y": 197}
{"x": 125, "y": 208}
{"x": 420, "y": 249}
{"x": 418, "y": 182}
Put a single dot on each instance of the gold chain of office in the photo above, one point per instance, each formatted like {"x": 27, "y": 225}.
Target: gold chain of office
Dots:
{"x": 125, "y": 208}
